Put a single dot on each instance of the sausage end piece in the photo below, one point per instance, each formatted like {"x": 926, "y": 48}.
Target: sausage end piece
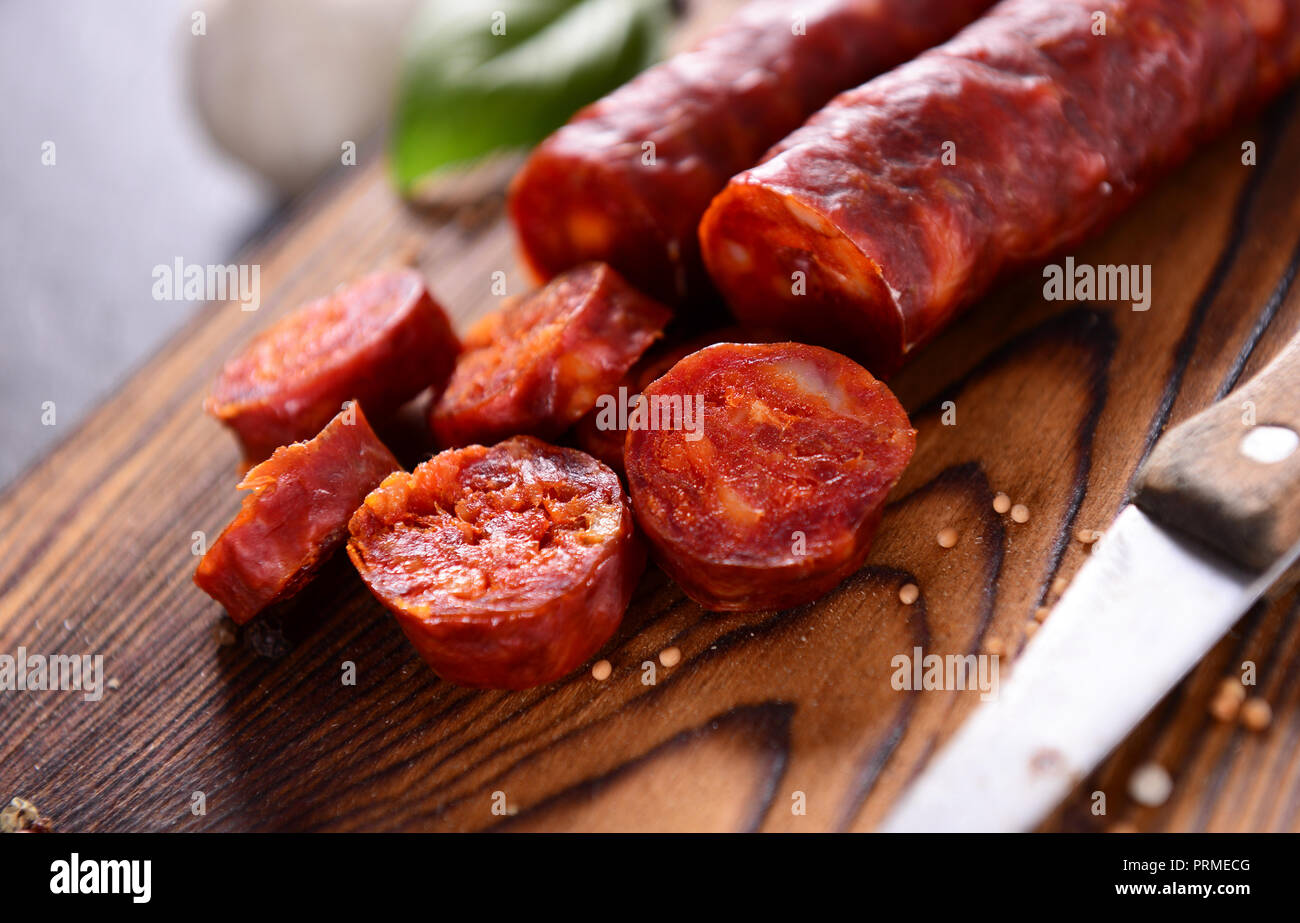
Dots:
{"x": 295, "y": 517}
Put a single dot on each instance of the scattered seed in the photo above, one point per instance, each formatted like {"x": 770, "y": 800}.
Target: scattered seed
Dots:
{"x": 1041, "y": 613}
{"x": 1226, "y": 703}
{"x": 1230, "y": 686}
{"x": 1224, "y": 707}
{"x": 1001, "y": 503}
{"x": 1256, "y": 714}
{"x": 1031, "y": 629}
{"x": 1059, "y": 585}
{"x": 1087, "y": 536}
{"x": 601, "y": 669}
{"x": 670, "y": 656}
{"x": 1150, "y": 785}
{"x": 1020, "y": 513}
{"x": 947, "y": 537}
{"x": 908, "y": 593}
{"x": 223, "y": 634}
{"x": 114, "y": 683}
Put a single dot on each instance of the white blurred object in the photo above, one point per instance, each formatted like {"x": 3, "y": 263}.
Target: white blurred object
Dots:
{"x": 283, "y": 84}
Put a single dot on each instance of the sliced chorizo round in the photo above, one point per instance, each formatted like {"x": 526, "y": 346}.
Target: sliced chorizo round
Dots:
{"x": 765, "y": 489}
{"x": 380, "y": 340}
{"x": 546, "y": 359}
{"x": 296, "y": 516}
{"x": 506, "y": 567}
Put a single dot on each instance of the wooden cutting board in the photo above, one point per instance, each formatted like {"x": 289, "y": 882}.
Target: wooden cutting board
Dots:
{"x": 1055, "y": 404}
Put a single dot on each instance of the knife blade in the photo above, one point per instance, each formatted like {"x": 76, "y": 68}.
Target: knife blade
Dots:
{"x": 1215, "y": 524}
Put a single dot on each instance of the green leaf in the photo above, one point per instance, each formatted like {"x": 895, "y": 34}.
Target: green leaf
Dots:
{"x": 467, "y": 90}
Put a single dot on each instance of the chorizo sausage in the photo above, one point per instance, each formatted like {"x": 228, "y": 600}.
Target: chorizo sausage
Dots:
{"x": 1054, "y": 115}
{"x": 380, "y": 340}
{"x": 768, "y": 494}
{"x": 506, "y": 567}
{"x": 548, "y": 358}
{"x": 595, "y": 191}
{"x": 296, "y": 516}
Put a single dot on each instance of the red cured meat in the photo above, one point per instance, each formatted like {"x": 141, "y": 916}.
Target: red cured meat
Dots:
{"x": 506, "y": 567}
{"x": 296, "y": 516}
{"x": 587, "y": 193}
{"x": 380, "y": 340}
{"x": 1055, "y": 129}
{"x": 547, "y": 358}
{"x": 779, "y": 496}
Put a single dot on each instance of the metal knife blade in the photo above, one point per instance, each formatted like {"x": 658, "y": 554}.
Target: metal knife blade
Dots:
{"x": 1139, "y": 615}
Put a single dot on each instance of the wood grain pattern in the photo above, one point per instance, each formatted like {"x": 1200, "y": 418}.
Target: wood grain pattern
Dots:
{"x": 1055, "y": 404}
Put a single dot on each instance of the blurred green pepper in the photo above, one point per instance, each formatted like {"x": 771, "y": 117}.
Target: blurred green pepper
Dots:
{"x": 481, "y": 76}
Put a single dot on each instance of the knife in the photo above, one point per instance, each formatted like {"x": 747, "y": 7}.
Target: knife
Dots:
{"x": 1213, "y": 527}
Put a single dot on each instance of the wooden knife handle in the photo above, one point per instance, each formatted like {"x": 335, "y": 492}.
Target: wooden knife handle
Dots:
{"x": 1230, "y": 476}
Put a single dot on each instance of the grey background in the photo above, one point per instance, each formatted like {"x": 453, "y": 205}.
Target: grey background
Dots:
{"x": 136, "y": 183}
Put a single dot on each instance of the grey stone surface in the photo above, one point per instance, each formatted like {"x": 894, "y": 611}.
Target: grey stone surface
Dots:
{"x": 136, "y": 183}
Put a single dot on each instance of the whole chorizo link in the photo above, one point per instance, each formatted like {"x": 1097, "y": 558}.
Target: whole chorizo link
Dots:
{"x": 768, "y": 490}
{"x": 595, "y": 191}
{"x": 506, "y": 567}
{"x": 296, "y": 516}
{"x": 380, "y": 340}
{"x": 1055, "y": 114}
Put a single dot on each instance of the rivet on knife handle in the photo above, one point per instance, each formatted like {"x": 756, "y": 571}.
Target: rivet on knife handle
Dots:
{"x": 1230, "y": 476}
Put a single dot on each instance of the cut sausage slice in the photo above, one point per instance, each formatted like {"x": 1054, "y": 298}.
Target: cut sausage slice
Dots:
{"x": 770, "y": 492}
{"x": 296, "y": 516}
{"x": 548, "y": 358}
{"x": 380, "y": 340}
{"x": 904, "y": 200}
{"x": 506, "y": 567}
{"x": 627, "y": 180}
